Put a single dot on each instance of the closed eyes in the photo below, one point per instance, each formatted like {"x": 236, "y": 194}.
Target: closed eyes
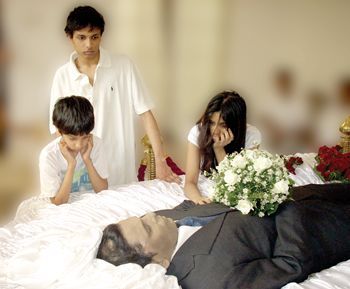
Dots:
{"x": 147, "y": 227}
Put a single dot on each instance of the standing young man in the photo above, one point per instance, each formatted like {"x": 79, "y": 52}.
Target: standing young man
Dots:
{"x": 112, "y": 85}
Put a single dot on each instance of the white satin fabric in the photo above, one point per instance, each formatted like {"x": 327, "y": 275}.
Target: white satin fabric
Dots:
{"x": 48, "y": 246}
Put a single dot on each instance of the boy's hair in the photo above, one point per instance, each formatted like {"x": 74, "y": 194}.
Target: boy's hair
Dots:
{"x": 116, "y": 250}
{"x": 84, "y": 16}
{"x": 73, "y": 115}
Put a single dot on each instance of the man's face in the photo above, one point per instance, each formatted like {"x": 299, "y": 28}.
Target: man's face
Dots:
{"x": 76, "y": 143}
{"x": 86, "y": 42}
{"x": 156, "y": 235}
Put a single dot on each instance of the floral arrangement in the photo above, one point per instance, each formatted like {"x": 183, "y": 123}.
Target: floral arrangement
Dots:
{"x": 252, "y": 181}
{"x": 292, "y": 162}
{"x": 333, "y": 164}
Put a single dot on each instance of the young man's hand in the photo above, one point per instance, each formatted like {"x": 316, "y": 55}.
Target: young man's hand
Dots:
{"x": 86, "y": 151}
{"x": 68, "y": 154}
{"x": 163, "y": 172}
{"x": 223, "y": 139}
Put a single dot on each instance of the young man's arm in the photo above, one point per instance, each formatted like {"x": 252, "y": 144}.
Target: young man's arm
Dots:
{"x": 163, "y": 172}
{"x": 98, "y": 183}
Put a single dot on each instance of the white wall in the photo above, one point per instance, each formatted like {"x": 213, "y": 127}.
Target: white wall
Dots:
{"x": 185, "y": 49}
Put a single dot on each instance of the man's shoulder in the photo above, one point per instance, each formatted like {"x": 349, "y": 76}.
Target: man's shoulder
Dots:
{"x": 63, "y": 70}
{"x": 189, "y": 208}
{"x": 120, "y": 61}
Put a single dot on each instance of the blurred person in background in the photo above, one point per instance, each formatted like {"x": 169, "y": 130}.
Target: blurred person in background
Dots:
{"x": 113, "y": 86}
{"x": 336, "y": 111}
{"x": 317, "y": 104}
{"x": 284, "y": 121}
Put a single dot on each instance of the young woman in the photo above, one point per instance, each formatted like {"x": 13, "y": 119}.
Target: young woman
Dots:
{"x": 221, "y": 130}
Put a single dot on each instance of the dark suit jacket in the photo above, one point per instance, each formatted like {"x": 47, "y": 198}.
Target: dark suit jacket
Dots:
{"x": 240, "y": 251}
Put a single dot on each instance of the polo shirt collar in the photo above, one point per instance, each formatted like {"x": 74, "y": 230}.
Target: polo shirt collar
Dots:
{"x": 104, "y": 61}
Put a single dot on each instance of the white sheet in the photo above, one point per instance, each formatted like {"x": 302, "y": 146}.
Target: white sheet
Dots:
{"x": 48, "y": 246}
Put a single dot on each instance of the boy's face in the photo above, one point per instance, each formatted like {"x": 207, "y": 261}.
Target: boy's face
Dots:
{"x": 76, "y": 143}
{"x": 86, "y": 42}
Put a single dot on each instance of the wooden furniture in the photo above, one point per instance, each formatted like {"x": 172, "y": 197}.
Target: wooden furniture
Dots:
{"x": 345, "y": 135}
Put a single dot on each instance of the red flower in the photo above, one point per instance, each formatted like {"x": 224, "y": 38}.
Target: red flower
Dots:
{"x": 333, "y": 164}
{"x": 326, "y": 175}
{"x": 321, "y": 167}
{"x": 292, "y": 162}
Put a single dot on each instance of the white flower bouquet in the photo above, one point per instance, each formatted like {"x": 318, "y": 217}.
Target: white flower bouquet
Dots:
{"x": 252, "y": 181}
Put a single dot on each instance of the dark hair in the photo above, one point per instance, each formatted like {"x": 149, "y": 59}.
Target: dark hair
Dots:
{"x": 116, "y": 250}
{"x": 73, "y": 115}
{"x": 233, "y": 111}
{"x": 84, "y": 16}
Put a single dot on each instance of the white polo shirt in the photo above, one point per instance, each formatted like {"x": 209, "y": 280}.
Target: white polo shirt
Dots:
{"x": 117, "y": 95}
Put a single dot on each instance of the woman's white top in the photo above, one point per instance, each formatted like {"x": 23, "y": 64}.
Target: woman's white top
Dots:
{"x": 252, "y": 138}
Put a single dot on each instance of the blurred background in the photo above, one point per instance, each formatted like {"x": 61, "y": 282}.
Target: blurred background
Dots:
{"x": 288, "y": 59}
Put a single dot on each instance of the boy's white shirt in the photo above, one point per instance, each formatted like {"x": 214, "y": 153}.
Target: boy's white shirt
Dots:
{"x": 53, "y": 166}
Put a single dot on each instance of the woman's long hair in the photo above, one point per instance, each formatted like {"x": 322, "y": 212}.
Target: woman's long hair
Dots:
{"x": 233, "y": 111}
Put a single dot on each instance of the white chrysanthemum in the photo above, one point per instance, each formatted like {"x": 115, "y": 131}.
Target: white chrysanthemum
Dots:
{"x": 244, "y": 206}
{"x": 239, "y": 161}
{"x": 231, "y": 178}
{"x": 261, "y": 164}
{"x": 250, "y": 154}
{"x": 280, "y": 187}
{"x": 261, "y": 214}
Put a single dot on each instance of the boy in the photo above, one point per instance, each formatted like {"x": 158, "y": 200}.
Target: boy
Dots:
{"x": 112, "y": 85}
{"x": 75, "y": 160}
